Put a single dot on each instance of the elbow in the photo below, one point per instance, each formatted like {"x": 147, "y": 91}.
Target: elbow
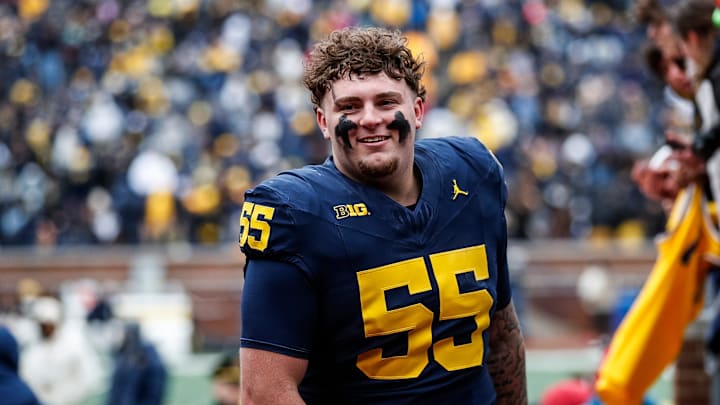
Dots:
{"x": 254, "y": 395}
{"x": 269, "y": 395}
{"x": 249, "y": 396}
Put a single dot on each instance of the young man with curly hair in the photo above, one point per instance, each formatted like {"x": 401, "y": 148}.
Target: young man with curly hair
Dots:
{"x": 380, "y": 276}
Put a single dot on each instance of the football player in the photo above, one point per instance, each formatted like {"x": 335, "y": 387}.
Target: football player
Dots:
{"x": 380, "y": 276}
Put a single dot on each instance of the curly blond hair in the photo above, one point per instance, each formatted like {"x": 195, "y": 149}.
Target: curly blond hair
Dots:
{"x": 361, "y": 51}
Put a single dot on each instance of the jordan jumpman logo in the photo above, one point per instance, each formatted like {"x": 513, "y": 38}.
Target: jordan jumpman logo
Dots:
{"x": 457, "y": 191}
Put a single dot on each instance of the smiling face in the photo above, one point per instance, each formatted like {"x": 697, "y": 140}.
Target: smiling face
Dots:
{"x": 371, "y": 121}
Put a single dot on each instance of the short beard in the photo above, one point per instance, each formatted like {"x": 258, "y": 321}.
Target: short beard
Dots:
{"x": 373, "y": 172}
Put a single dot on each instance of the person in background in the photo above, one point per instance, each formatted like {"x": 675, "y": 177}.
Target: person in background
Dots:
{"x": 660, "y": 177}
{"x": 13, "y": 390}
{"x": 694, "y": 24}
{"x": 62, "y": 367}
{"x": 696, "y": 155}
{"x": 659, "y": 30}
{"x": 139, "y": 376}
{"x": 381, "y": 275}
{"x": 576, "y": 390}
{"x": 226, "y": 381}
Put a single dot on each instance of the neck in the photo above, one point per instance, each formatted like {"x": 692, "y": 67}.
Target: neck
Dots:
{"x": 404, "y": 187}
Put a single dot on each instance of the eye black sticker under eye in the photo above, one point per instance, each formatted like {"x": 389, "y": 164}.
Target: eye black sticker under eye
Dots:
{"x": 342, "y": 129}
{"x": 401, "y": 125}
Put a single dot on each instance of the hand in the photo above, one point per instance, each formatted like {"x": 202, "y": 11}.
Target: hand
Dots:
{"x": 656, "y": 183}
{"x": 691, "y": 167}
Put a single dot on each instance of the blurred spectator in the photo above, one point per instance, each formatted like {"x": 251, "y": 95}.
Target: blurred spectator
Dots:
{"x": 670, "y": 67}
{"x": 203, "y": 99}
{"x": 598, "y": 296}
{"x": 13, "y": 390}
{"x": 573, "y": 391}
{"x": 226, "y": 380}
{"x": 654, "y": 15}
{"x": 661, "y": 177}
{"x": 104, "y": 330}
{"x": 62, "y": 368}
{"x": 694, "y": 22}
{"x": 139, "y": 376}
{"x": 102, "y": 310}
{"x": 16, "y": 310}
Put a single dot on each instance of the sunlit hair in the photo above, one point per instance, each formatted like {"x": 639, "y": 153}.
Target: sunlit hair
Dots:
{"x": 695, "y": 16}
{"x": 361, "y": 51}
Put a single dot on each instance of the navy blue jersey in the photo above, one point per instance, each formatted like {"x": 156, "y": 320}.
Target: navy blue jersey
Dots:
{"x": 389, "y": 304}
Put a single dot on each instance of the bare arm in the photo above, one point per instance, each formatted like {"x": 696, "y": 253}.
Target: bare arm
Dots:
{"x": 506, "y": 362}
{"x": 270, "y": 378}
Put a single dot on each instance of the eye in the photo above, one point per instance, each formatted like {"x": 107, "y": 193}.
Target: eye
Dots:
{"x": 388, "y": 102}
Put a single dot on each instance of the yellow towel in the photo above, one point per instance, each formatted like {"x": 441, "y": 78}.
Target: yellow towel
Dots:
{"x": 651, "y": 334}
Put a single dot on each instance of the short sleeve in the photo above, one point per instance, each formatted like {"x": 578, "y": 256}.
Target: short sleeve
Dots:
{"x": 279, "y": 309}
{"x": 269, "y": 228}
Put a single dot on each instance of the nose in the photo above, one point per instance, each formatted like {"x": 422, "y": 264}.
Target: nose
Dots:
{"x": 370, "y": 117}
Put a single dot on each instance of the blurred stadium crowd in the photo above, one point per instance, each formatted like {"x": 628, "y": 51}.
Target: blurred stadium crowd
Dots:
{"x": 125, "y": 122}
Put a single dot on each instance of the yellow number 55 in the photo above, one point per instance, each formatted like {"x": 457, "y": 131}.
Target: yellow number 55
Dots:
{"x": 416, "y": 319}
{"x": 255, "y": 217}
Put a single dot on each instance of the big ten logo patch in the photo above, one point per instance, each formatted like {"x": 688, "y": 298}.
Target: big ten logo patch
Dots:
{"x": 351, "y": 210}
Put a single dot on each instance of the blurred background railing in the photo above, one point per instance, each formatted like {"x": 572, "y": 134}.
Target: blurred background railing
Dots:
{"x": 187, "y": 299}
{"x": 546, "y": 275}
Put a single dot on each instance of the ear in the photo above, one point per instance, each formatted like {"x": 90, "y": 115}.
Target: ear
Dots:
{"x": 322, "y": 122}
{"x": 419, "y": 108}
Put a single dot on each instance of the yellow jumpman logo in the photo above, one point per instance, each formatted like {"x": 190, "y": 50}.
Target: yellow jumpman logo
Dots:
{"x": 457, "y": 191}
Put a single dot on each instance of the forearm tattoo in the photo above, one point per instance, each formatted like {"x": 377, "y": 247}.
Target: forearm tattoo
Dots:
{"x": 506, "y": 360}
